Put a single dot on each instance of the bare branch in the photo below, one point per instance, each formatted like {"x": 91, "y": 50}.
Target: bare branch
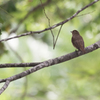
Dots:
{"x": 58, "y": 35}
{"x": 18, "y": 65}
{"x": 85, "y": 13}
{"x": 53, "y": 62}
{"x": 54, "y": 26}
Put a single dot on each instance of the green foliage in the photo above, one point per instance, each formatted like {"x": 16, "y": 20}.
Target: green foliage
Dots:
{"x": 77, "y": 79}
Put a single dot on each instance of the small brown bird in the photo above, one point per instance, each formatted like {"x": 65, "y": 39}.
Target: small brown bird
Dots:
{"x": 77, "y": 41}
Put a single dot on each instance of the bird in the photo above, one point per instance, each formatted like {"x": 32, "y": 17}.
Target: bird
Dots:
{"x": 77, "y": 41}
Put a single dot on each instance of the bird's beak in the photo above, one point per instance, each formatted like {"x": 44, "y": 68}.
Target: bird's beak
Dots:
{"x": 71, "y": 31}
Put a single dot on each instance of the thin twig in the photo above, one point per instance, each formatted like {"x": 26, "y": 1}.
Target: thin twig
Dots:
{"x": 25, "y": 88}
{"x": 48, "y": 23}
{"x": 85, "y": 14}
{"x": 16, "y": 53}
{"x": 58, "y": 35}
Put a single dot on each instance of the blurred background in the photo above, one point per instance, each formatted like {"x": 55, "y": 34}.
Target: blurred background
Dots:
{"x": 77, "y": 79}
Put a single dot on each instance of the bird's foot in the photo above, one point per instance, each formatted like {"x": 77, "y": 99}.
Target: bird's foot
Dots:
{"x": 77, "y": 52}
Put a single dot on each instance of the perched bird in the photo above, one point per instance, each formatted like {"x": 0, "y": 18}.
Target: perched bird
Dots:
{"x": 77, "y": 41}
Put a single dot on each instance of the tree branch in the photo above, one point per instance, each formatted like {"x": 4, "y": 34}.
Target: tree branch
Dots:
{"x": 18, "y": 65}
{"x": 53, "y": 62}
{"x": 52, "y": 27}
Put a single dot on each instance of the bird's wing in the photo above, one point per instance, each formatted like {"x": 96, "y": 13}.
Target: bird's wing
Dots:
{"x": 79, "y": 44}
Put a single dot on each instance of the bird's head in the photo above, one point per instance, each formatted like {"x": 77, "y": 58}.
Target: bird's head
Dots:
{"x": 75, "y": 32}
